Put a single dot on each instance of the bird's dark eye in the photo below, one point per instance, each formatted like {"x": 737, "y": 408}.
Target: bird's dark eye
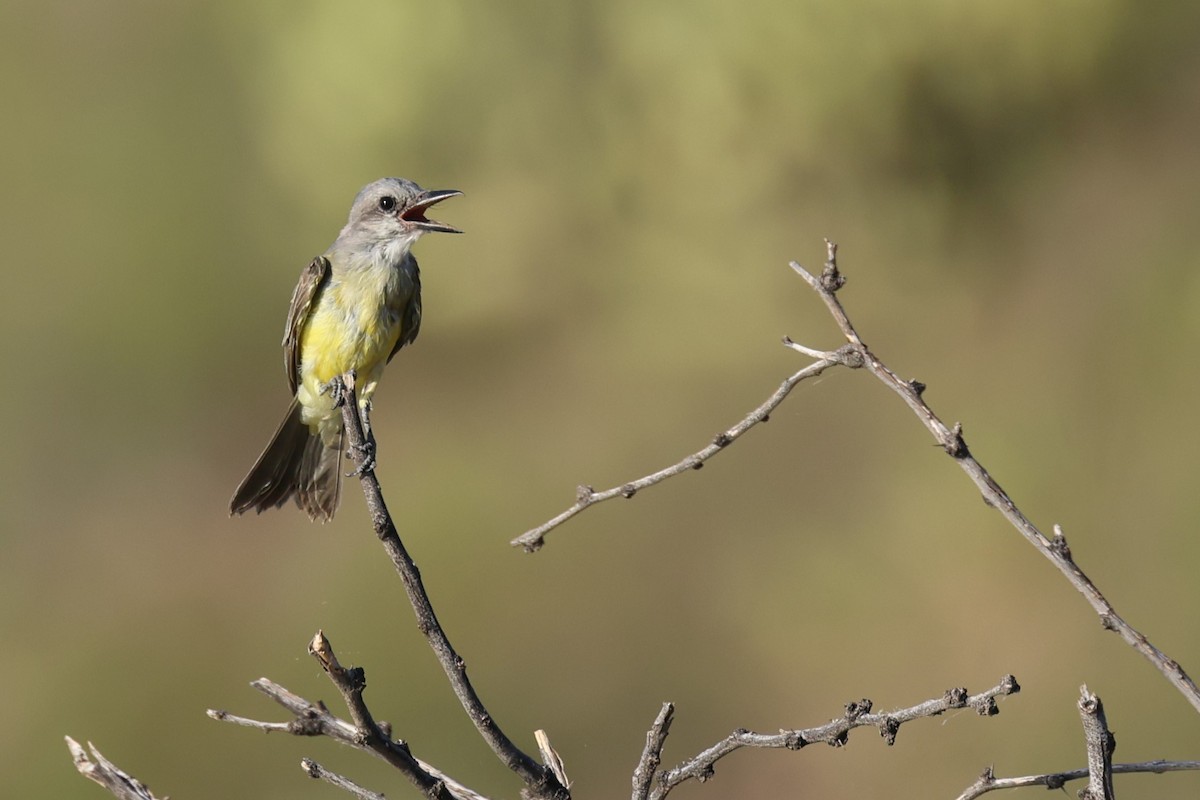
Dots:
{"x": 387, "y": 203}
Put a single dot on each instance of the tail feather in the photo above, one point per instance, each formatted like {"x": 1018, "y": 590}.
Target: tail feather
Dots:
{"x": 319, "y": 488}
{"x": 296, "y": 463}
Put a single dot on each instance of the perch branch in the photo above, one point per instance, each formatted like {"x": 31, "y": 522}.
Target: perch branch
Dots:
{"x": 539, "y": 780}
{"x": 836, "y": 732}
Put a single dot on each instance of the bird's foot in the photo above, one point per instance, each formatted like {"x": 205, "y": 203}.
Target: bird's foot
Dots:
{"x": 338, "y": 388}
{"x": 363, "y": 455}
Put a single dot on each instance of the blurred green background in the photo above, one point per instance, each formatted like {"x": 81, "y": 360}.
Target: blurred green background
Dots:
{"x": 1015, "y": 187}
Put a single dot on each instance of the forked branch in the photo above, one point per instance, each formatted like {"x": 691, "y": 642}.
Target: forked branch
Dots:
{"x": 1100, "y": 746}
{"x": 314, "y": 719}
{"x": 952, "y": 441}
{"x": 988, "y": 782}
{"x": 855, "y": 354}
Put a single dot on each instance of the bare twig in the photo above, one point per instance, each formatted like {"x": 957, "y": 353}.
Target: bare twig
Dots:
{"x": 836, "y": 732}
{"x": 648, "y": 764}
{"x": 951, "y": 440}
{"x": 99, "y": 769}
{"x": 266, "y": 727}
{"x": 585, "y": 496}
{"x": 318, "y": 772}
{"x": 1100, "y": 746}
{"x": 551, "y": 758}
{"x": 311, "y": 719}
{"x": 988, "y": 782}
{"x": 314, "y": 719}
{"x": 539, "y": 780}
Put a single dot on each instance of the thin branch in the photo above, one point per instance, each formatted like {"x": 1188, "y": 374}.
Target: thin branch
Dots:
{"x": 1100, "y": 746}
{"x": 314, "y": 719}
{"x": 539, "y": 780}
{"x": 265, "y": 727}
{"x": 310, "y": 719}
{"x": 836, "y": 732}
{"x": 585, "y": 496}
{"x": 648, "y": 764}
{"x": 315, "y": 770}
{"x": 951, "y": 440}
{"x": 988, "y": 782}
{"x": 97, "y": 768}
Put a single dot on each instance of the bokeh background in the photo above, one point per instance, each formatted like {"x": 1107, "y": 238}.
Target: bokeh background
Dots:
{"x": 1015, "y": 188}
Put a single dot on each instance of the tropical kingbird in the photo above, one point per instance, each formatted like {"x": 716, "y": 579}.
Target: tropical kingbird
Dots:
{"x": 352, "y": 310}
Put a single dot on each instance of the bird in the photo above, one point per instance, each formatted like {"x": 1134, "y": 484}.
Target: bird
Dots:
{"x": 352, "y": 310}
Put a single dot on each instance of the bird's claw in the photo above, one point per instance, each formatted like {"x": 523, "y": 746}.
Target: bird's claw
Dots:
{"x": 338, "y": 387}
{"x": 364, "y": 456}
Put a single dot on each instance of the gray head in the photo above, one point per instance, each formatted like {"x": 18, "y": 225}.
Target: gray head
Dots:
{"x": 391, "y": 211}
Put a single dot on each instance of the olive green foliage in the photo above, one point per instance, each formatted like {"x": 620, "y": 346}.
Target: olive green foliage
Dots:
{"x": 1015, "y": 187}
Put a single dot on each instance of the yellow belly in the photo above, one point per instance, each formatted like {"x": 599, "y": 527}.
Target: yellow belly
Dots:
{"x": 350, "y": 329}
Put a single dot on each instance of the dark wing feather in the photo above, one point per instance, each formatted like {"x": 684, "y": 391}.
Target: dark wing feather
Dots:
{"x": 312, "y": 281}
{"x": 410, "y": 322}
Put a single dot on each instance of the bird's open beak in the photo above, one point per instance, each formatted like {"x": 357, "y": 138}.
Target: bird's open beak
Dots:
{"x": 430, "y": 197}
